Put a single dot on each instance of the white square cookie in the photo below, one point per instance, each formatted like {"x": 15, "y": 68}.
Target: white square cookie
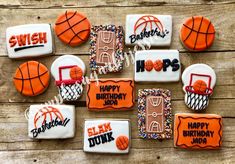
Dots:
{"x": 146, "y": 29}
{"x": 107, "y": 136}
{"x": 29, "y": 40}
{"x": 51, "y": 121}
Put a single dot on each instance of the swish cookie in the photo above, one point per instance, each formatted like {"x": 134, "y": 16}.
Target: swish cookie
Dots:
{"x": 29, "y": 40}
{"x": 31, "y": 78}
{"x": 155, "y": 30}
{"x": 72, "y": 28}
{"x": 51, "y": 121}
{"x": 69, "y": 72}
{"x": 107, "y": 136}
{"x": 157, "y": 66}
{"x": 197, "y": 131}
{"x": 199, "y": 81}
{"x": 106, "y": 48}
{"x": 154, "y": 114}
{"x": 197, "y": 33}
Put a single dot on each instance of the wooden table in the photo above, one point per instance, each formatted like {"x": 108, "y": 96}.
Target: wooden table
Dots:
{"x": 15, "y": 146}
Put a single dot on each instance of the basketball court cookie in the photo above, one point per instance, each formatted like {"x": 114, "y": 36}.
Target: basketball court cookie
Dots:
{"x": 31, "y": 78}
{"x": 199, "y": 81}
{"x": 197, "y": 33}
{"x": 51, "y": 121}
{"x": 72, "y": 28}
{"x": 69, "y": 71}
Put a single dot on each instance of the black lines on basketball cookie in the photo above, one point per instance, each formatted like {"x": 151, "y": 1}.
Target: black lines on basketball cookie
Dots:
{"x": 58, "y": 23}
{"x": 197, "y": 33}
{"x": 190, "y": 29}
{"x": 29, "y": 78}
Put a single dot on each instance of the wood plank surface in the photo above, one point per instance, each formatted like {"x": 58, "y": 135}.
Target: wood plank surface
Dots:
{"x": 17, "y": 147}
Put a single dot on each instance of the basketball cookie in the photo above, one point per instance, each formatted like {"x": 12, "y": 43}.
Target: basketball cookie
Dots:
{"x": 199, "y": 81}
{"x": 72, "y": 28}
{"x": 31, "y": 78}
{"x": 69, "y": 72}
{"x": 197, "y": 33}
{"x": 107, "y": 136}
{"x": 155, "y": 30}
{"x": 51, "y": 121}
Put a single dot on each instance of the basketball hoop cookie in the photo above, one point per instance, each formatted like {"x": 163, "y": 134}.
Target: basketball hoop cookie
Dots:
{"x": 107, "y": 136}
{"x": 154, "y": 30}
{"x": 197, "y": 33}
{"x": 72, "y": 28}
{"x": 106, "y": 48}
{"x": 29, "y": 40}
{"x": 199, "y": 81}
{"x": 51, "y": 121}
{"x": 157, "y": 66}
{"x": 154, "y": 114}
{"x": 31, "y": 78}
{"x": 69, "y": 72}
{"x": 198, "y": 131}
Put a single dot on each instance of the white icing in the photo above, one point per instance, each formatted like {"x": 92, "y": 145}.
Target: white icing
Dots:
{"x": 67, "y": 131}
{"x": 153, "y": 75}
{"x": 66, "y": 60}
{"x": 166, "y": 21}
{"x": 119, "y": 127}
{"x": 29, "y": 29}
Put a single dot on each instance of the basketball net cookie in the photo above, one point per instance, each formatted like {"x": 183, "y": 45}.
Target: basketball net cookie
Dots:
{"x": 69, "y": 71}
{"x": 72, "y": 28}
{"x": 51, "y": 121}
{"x": 199, "y": 81}
{"x": 197, "y": 33}
{"x": 31, "y": 78}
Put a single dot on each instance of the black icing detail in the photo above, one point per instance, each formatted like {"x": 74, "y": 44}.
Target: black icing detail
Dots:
{"x": 175, "y": 65}
{"x": 166, "y": 63}
{"x": 140, "y": 66}
{"x": 27, "y": 47}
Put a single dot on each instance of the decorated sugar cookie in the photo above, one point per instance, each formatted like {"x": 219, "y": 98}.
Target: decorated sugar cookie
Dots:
{"x": 199, "y": 81}
{"x": 69, "y": 71}
{"x": 110, "y": 94}
{"x": 198, "y": 131}
{"x": 72, "y": 28}
{"x": 106, "y": 51}
{"x": 157, "y": 66}
{"x": 146, "y": 29}
{"x": 154, "y": 114}
{"x": 31, "y": 78}
{"x": 197, "y": 33}
{"x": 107, "y": 136}
{"x": 51, "y": 121}
{"x": 29, "y": 40}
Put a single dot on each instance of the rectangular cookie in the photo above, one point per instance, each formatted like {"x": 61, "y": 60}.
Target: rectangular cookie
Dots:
{"x": 198, "y": 131}
{"x": 107, "y": 136}
{"x": 29, "y": 40}
{"x": 157, "y": 66}
{"x": 154, "y": 114}
{"x": 51, "y": 121}
{"x": 110, "y": 94}
{"x": 106, "y": 48}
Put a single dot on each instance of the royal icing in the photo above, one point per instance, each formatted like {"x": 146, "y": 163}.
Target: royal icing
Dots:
{"x": 157, "y": 66}
{"x": 72, "y": 28}
{"x": 154, "y": 114}
{"x": 198, "y": 131}
{"x": 110, "y": 94}
{"x": 107, "y": 136}
{"x": 197, "y": 33}
{"x": 199, "y": 81}
{"x": 69, "y": 71}
{"x": 106, "y": 49}
{"x": 51, "y": 121}
{"x": 155, "y": 30}
{"x": 31, "y": 78}
{"x": 29, "y": 40}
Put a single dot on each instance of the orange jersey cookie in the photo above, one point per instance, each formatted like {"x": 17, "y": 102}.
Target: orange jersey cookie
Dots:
{"x": 72, "y": 28}
{"x": 197, "y": 33}
{"x": 31, "y": 78}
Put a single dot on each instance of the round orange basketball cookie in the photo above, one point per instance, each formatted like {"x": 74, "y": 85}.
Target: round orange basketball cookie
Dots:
{"x": 122, "y": 142}
{"x": 197, "y": 33}
{"x": 72, "y": 28}
{"x": 31, "y": 78}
